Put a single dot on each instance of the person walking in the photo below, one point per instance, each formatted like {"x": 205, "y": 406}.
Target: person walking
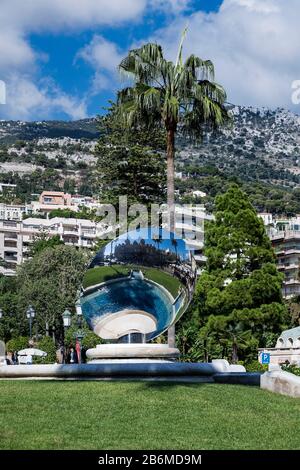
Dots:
{"x": 72, "y": 358}
{"x": 14, "y": 358}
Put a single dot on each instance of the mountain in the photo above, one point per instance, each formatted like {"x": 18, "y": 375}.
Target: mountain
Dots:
{"x": 12, "y": 131}
{"x": 261, "y": 145}
{"x": 261, "y": 149}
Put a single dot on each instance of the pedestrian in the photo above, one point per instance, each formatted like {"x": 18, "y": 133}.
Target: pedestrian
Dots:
{"x": 14, "y": 357}
{"x": 72, "y": 358}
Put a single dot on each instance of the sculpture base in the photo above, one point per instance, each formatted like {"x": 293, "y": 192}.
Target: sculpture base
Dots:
{"x": 132, "y": 352}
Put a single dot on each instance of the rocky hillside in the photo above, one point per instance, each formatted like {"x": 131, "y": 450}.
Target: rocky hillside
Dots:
{"x": 261, "y": 145}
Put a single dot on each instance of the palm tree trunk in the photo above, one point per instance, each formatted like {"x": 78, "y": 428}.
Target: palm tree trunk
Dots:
{"x": 235, "y": 353}
{"x": 171, "y": 202}
{"x": 171, "y": 176}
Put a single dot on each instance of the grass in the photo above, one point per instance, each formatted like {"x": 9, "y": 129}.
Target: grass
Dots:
{"x": 104, "y": 273}
{"x": 145, "y": 415}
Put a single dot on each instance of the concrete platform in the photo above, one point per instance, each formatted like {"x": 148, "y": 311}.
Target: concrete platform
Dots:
{"x": 284, "y": 383}
{"x": 115, "y": 370}
{"x": 133, "y": 351}
{"x": 238, "y": 378}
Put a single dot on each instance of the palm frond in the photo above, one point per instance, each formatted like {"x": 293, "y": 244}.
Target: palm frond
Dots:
{"x": 180, "y": 93}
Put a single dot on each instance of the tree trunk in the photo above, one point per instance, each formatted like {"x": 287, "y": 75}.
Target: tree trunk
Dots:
{"x": 234, "y": 353}
{"x": 171, "y": 202}
{"x": 170, "y": 176}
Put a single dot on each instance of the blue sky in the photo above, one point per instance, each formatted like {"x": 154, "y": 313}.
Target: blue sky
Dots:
{"x": 75, "y": 77}
{"x": 59, "y": 60}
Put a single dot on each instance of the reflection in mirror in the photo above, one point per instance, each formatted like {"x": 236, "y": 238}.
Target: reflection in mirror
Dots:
{"x": 138, "y": 285}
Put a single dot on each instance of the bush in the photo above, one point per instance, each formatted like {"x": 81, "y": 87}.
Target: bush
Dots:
{"x": 46, "y": 344}
{"x": 90, "y": 340}
{"x": 16, "y": 344}
{"x": 293, "y": 369}
{"x": 255, "y": 366}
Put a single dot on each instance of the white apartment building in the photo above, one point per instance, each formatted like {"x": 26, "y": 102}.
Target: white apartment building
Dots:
{"x": 14, "y": 211}
{"x": 285, "y": 237}
{"x": 189, "y": 225}
{"x": 16, "y": 237}
{"x": 287, "y": 248}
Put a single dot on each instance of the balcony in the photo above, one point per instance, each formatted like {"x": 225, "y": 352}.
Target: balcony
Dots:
{"x": 70, "y": 242}
{"x": 200, "y": 258}
{"x": 287, "y": 235}
{"x": 10, "y": 259}
{"x": 11, "y": 236}
{"x": 292, "y": 266}
{"x": 70, "y": 231}
{"x": 87, "y": 243}
{"x": 291, "y": 282}
{"x": 10, "y": 244}
{"x": 194, "y": 244}
{"x": 86, "y": 233}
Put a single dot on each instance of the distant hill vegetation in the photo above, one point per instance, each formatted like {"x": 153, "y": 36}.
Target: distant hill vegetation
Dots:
{"x": 12, "y": 131}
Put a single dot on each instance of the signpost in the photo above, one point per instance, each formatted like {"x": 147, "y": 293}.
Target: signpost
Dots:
{"x": 265, "y": 358}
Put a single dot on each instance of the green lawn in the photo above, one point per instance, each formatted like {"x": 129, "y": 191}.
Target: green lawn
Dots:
{"x": 144, "y": 415}
{"x": 104, "y": 273}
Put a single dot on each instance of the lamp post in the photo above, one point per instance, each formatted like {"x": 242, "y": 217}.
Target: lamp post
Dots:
{"x": 67, "y": 318}
{"x": 1, "y": 314}
{"x": 30, "y": 315}
{"x": 79, "y": 334}
{"x": 67, "y": 323}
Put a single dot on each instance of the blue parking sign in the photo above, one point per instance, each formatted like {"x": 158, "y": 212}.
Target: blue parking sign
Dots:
{"x": 265, "y": 358}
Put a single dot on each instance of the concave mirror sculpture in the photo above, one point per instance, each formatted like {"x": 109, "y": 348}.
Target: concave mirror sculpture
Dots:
{"x": 138, "y": 285}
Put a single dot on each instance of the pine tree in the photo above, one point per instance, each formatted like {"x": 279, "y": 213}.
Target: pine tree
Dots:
{"x": 240, "y": 288}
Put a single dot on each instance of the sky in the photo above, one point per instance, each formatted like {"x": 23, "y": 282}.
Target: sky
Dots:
{"x": 59, "y": 58}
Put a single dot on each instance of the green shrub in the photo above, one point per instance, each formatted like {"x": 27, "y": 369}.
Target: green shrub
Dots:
{"x": 46, "y": 344}
{"x": 255, "y": 366}
{"x": 293, "y": 369}
{"x": 90, "y": 340}
{"x": 16, "y": 344}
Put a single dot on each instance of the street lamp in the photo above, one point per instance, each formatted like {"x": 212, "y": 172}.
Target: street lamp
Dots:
{"x": 79, "y": 313}
{"x": 30, "y": 315}
{"x": 67, "y": 316}
{"x": 79, "y": 334}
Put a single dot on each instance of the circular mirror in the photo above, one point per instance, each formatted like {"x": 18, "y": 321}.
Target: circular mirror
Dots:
{"x": 138, "y": 285}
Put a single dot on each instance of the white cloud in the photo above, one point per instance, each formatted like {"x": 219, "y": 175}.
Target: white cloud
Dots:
{"x": 104, "y": 57}
{"x": 52, "y": 15}
{"x": 101, "y": 54}
{"x": 25, "y": 100}
{"x": 254, "y": 45}
{"x": 19, "y": 62}
{"x": 174, "y": 6}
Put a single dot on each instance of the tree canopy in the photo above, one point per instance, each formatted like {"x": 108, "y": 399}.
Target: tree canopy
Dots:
{"x": 50, "y": 282}
{"x": 238, "y": 301}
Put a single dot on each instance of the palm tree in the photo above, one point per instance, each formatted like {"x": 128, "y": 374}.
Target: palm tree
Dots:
{"x": 237, "y": 338}
{"x": 170, "y": 95}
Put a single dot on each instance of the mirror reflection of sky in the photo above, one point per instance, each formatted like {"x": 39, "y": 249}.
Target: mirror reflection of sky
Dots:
{"x": 159, "y": 238}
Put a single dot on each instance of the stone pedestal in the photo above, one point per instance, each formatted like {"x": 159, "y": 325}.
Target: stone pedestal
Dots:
{"x": 135, "y": 351}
